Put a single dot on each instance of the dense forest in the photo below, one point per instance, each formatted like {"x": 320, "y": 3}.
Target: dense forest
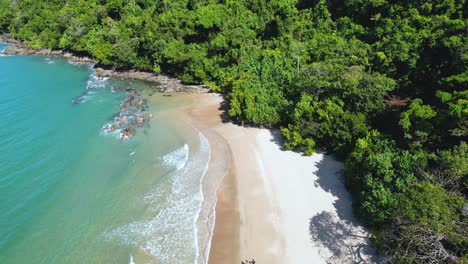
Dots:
{"x": 382, "y": 84}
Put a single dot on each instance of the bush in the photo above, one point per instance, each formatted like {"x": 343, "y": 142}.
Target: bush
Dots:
{"x": 294, "y": 140}
{"x": 429, "y": 227}
{"x": 376, "y": 173}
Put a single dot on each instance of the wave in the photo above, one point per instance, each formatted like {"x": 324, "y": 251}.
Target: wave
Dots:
{"x": 79, "y": 63}
{"x": 49, "y": 61}
{"x": 175, "y": 207}
{"x": 2, "y": 50}
{"x": 177, "y": 158}
{"x": 205, "y": 145}
{"x": 111, "y": 129}
{"x": 95, "y": 82}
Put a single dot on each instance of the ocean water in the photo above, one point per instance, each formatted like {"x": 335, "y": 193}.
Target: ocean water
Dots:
{"x": 70, "y": 192}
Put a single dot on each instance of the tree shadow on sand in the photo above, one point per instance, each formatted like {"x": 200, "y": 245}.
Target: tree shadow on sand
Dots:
{"x": 339, "y": 231}
{"x": 224, "y": 111}
{"x": 345, "y": 243}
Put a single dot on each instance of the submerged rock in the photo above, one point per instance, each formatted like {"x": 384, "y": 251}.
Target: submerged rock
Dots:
{"x": 140, "y": 120}
{"x": 78, "y": 100}
{"x": 131, "y": 115}
{"x": 127, "y": 134}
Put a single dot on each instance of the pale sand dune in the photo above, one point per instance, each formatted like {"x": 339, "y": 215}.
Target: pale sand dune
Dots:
{"x": 277, "y": 206}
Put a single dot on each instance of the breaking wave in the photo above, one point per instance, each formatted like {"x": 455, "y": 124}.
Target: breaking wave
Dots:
{"x": 3, "y": 47}
{"x": 95, "y": 82}
{"x": 177, "y": 158}
{"x": 49, "y": 61}
{"x": 170, "y": 235}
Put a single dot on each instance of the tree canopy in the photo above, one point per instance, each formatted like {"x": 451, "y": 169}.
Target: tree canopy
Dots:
{"x": 381, "y": 83}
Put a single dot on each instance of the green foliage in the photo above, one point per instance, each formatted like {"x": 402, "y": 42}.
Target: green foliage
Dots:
{"x": 450, "y": 168}
{"x": 430, "y": 206}
{"x": 416, "y": 122}
{"x": 429, "y": 227}
{"x": 329, "y": 72}
{"x": 294, "y": 140}
{"x": 328, "y": 123}
{"x": 454, "y": 113}
{"x": 250, "y": 101}
{"x": 362, "y": 92}
{"x": 376, "y": 172}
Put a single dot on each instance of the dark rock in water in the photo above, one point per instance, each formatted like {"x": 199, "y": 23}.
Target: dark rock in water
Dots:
{"x": 78, "y": 100}
{"x": 123, "y": 121}
{"x": 127, "y": 133}
{"x": 131, "y": 115}
{"x": 140, "y": 120}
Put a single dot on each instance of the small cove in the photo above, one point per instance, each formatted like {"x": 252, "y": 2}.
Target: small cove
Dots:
{"x": 70, "y": 193}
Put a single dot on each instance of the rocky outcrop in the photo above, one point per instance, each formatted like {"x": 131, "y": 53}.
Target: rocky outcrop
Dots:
{"x": 166, "y": 84}
{"x": 22, "y": 50}
{"x": 19, "y": 48}
{"x": 8, "y": 39}
{"x": 131, "y": 115}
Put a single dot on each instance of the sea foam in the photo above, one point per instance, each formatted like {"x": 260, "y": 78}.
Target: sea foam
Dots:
{"x": 177, "y": 158}
{"x": 2, "y": 50}
{"x": 171, "y": 234}
{"x": 205, "y": 146}
{"x": 49, "y": 61}
{"x": 95, "y": 82}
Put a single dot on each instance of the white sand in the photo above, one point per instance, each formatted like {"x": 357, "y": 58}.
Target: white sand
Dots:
{"x": 278, "y": 206}
{"x": 315, "y": 209}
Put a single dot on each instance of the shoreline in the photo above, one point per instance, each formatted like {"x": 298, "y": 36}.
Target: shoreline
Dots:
{"x": 271, "y": 205}
{"x": 276, "y": 206}
{"x": 220, "y": 171}
{"x": 168, "y": 84}
{"x": 18, "y": 48}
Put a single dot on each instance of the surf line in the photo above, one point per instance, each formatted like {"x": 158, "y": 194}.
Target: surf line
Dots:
{"x": 203, "y": 142}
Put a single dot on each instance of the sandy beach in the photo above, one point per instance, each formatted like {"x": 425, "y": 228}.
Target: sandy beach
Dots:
{"x": 275, "y": 206}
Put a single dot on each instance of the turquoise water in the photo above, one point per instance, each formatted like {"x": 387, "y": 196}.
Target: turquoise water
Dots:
{"x": 70, "y": 193}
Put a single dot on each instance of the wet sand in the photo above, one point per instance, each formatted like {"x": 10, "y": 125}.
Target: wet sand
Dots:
{"x": 274, "y": 206}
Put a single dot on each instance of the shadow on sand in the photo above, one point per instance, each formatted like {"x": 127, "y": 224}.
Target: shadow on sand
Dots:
{"x": 224, "y": 108}
{"x": 339, "y": 231}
